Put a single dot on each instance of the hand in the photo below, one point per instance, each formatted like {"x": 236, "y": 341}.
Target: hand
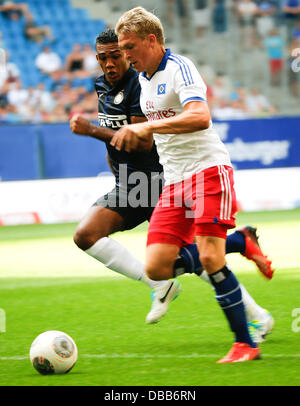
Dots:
{"x": 80, "y": 125}
{"x": 130, "y": 137}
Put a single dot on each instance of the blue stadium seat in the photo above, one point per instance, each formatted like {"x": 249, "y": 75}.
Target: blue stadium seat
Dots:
{"x": 57, "y": 14}
{"x": 34, "y": 3}
{"x": 19, "y": 42}
{"x": 57, "y": 25}
{"x": 43, "y": 16}
{"x": 97, "y": 25}
{"x": 14, "y": 27}
{"x": 77, "y": 14}
{"x": 70, "y": 25}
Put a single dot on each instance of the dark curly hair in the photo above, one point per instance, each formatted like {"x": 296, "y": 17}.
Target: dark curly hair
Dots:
{"x": 107, "y": 36}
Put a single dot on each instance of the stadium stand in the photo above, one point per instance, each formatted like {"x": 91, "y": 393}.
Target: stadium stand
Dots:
{"x": 68, "y": 25}
{"x": 227, "y": 56}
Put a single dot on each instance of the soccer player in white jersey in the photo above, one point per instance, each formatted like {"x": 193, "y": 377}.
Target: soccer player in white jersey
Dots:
{"x": 112, "y": 212}
{"x": 198, "y": 200}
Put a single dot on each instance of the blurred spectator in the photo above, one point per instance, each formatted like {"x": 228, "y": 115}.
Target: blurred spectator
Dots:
{"x": 74, "y": 65}
{"x": 86, "y": 107}
{"x": 48, "y": 61}
{"x": 257, "y": 104}
{"x": 25, "y": 109}
{"x": 59, "y": 114}
{"x": 9, "y": 71}
{"x": 220, "y": 89}
{"x": 291, "y": 10}
{"x": 246, "y": 11}
{"x": 13, "y": 11}
{"x": 227, "y": 110}
{"x": 228, "y": 104}
{"x": 219, "y": 16}
{"x": 265, "y": 15}
{"x": 3, "y": 96}
{"x": 36, "y": 33}
{"x": 9, "y": 114}
{"x": 202, "y": 17}
{"x": 17, "y": 95}
{"x": 56, "y": 81}
{"x": 293, "y": 63}
{"x": 237, "y": 97}
{"x": 1, "y": 40}
{"x": 42, "y": 100}
{"x": 274, "y": 46}
{"x": 67, "y": 95}
{"x": 3, "y": 71}
{"x": 90, "y": 63}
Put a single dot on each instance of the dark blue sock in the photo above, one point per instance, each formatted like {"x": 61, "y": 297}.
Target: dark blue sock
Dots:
{"x": 229, "y": 297}
{"x": 188, "y": 260}
{"x": 235, "y": 242}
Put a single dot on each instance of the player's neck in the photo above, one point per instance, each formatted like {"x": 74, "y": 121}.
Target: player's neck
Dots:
{"x": 158, "y": 54}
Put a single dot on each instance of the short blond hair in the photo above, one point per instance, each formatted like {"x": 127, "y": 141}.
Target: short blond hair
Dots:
{"x": 140, "y": 22}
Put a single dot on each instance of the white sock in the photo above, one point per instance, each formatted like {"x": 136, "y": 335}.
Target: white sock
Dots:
{"x": 253, "y": 310}
{"x": 117, "y": 258}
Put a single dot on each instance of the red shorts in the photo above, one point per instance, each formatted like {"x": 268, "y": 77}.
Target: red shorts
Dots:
{"x": 204, "y": 204}
{"x": 276, "y": 65}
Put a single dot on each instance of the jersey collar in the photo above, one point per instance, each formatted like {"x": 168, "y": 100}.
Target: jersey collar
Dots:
{"x": 161, "y": 66}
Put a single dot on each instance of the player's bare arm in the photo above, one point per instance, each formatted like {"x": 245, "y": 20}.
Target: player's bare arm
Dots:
{"x": 80, "y": 125}
{"x": 195, "y": 117}
{"x": 130, "y": 136}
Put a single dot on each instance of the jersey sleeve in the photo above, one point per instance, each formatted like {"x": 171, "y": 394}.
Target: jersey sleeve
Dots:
{"x": 135, "y": 108}
{"x": 188, "y": 83}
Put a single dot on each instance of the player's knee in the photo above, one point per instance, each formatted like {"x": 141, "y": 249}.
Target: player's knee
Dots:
{"x": 158, "y": 272}
{"x": 84, "y": 238}
{"x": 153, "y": 273}
{"x": 208, "y": 260}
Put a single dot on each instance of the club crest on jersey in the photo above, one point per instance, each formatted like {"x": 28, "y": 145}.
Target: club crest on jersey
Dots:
{"x": 161, "y": 89}
{"x": 119, "y": 97}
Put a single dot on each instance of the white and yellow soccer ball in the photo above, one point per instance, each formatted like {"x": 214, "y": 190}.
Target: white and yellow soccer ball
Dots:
{"x": 53, "y": 352}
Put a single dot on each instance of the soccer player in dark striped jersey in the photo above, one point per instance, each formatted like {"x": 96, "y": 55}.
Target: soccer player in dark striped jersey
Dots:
{"x": 118, "y": 93}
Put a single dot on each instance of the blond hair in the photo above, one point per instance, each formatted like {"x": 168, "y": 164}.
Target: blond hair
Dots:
{"x": 140, "y": 22}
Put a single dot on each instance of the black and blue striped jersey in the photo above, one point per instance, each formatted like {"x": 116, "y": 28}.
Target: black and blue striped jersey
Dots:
{"x": 116, "y": 106}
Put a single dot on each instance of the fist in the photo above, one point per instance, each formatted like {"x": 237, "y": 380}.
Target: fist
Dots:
{"x": 80, "y": 125}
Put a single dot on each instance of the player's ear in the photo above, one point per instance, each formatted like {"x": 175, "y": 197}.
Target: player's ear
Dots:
{"x": 98, "y": 58}
{"x": 152, "y": 39}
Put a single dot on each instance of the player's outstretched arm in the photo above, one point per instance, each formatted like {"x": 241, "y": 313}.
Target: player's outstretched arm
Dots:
{"x": 195, "y": 117}
{"x": 129, "y": 137}
{"x": 80, "y": 125}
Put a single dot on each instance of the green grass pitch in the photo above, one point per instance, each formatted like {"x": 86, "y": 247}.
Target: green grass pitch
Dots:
{"x": 47, "y": 283}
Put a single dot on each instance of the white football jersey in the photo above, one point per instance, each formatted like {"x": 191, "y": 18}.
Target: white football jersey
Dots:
{"x": 175, "y": 83}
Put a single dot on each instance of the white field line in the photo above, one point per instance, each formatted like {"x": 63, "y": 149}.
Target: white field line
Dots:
{"x": 150, "y": 356}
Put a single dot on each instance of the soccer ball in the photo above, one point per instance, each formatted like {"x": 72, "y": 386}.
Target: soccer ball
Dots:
{"x": 53, "y": 352}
